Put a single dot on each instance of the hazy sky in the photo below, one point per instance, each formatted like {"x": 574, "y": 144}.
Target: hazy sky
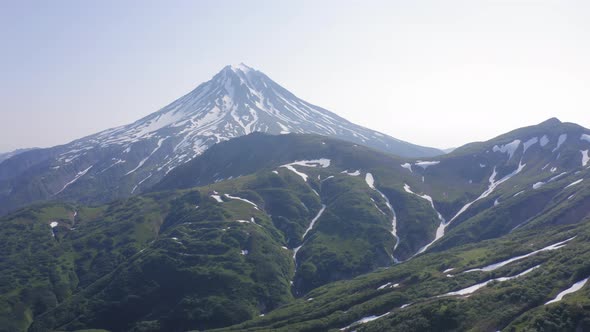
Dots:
{"x": 436, "y": 73}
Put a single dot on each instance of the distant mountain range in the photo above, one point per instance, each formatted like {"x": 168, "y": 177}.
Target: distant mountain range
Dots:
{"x": 126, "y": 160}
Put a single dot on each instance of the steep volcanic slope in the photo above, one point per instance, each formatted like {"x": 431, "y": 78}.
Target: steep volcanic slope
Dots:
{"x": 123, "y": 161}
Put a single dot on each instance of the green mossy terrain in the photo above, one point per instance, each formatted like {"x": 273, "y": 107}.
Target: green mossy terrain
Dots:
{"x": 212, "y": 246}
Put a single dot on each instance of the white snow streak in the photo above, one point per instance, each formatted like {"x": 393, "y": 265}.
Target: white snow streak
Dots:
{"x": 313, "y": 221}
{"x": 371, "y": 183}
{"x": 585, "y": 157}
{"x": 243, "y": 200}
{"x": 388, "y": 285}
{"x": 498, "y": 265}
{"x": 441, "y": 227}
{"x": 78, "y": 176}
{"x": 493, "y": 185}
{"x": 426, "y": 164}
{"x": 573, "y": 183}
{"x": 322, "y": 162}
{"x": 117, "y": 161}
{"x": 440, "y": 231}
{"x": 355, "y": 173}
{"x": 364, "y": 320}
{"x": 292, "y": 169}
{"x": 309, "y": 228}
{"x": 140, "y": 182}
{"x": 509, "y": 148}
{"x": 474, "y": 288}
{"x": 407, "y": 166}
{"x": 160, "y": 141}
{"x": 560, "y": 141}
{"x": 574, "y": 288}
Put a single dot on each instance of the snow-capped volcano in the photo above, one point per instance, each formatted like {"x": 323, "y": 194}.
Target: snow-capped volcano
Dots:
{"x": 237, "y": 101}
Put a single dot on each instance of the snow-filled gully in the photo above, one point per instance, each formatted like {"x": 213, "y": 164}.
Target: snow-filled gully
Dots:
{"x": 574, "y": 288}
{"x": 140, "y": 182}
{"x": 440, "y": 231}
{"x": 364, "y": 320}
{"x": 243, "y": 200}
{"x": 371, "y": 183}
{"x": 498, "y": 265}
{"x": 441, "y": 227}
{"x": 78, "y": 176}
{"x": 472, "y": 289}
{"x": 309, "y": 228}
{"x": 322, "y": 162}
{"x": 159, "y": 145}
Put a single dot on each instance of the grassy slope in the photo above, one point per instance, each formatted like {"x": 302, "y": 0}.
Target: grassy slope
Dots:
{"x": 420, "y": 280}
{"x": 128, "y": 258}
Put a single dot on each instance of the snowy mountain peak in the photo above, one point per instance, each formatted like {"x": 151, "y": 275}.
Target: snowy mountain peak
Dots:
{"x": 241, "y": 67}
{"x": 237, "y": 101}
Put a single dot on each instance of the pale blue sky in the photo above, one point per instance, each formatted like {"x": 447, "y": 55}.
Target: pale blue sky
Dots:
{"x": 437, "y": 73}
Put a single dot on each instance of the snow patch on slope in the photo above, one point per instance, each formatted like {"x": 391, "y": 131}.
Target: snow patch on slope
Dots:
{"x": 140, "y": 182}
{"x": 509, "y": 148}
{"x": 573, "y": 183}
{"x": 78, "y": 176}
{"x": 574, "y": 288}
{"x": 560, "y": 141}
{"x": 159, "y": 145}
{"x": 364, "y": 320}
{"x": 492, "y": 186}
{"x": 585, "y": 157}
{"x": 440, "y": 231}
{"x": 243, "y": 200}
{"x": 498, "y": 265}
{"x": 441, "y": 227}
{"x": 309, "y": 228}
{"x": 529, "y": 143}
{"x": 323, "y": 162}
{"x": 426, "y": 164}
{"x": 370, "y": 180}
{"x": 476, "y": 287}
{"x": 407, "y": 166}
{"x": 355, "y": 173}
